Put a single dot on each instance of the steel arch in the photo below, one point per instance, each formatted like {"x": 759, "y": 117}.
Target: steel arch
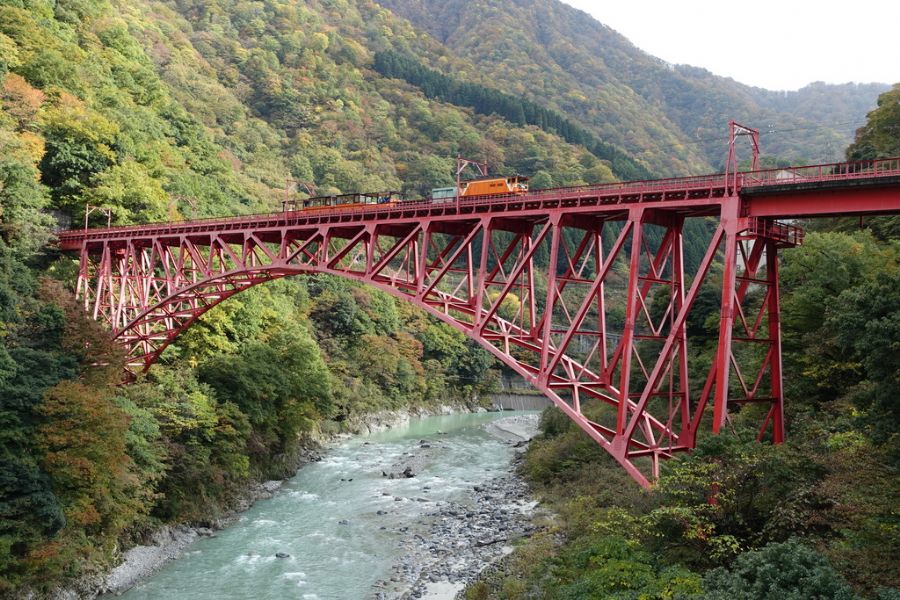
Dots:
{"x": 478, "y": 273}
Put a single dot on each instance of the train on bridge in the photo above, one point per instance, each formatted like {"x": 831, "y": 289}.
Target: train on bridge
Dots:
{"x": 484, "y": 187}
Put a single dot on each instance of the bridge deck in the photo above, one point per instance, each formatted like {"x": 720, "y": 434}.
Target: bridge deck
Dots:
{"x": 872, "y": 195}
{"x": 815, "y": 190}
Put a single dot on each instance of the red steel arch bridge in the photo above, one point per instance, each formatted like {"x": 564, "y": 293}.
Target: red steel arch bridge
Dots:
{"x": 583, "y": 291}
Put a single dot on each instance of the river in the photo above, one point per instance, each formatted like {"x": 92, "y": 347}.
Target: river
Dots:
{"x": 344, "y": 531}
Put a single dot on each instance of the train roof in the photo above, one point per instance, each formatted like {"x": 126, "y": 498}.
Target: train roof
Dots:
{"x": 490, "y": 177}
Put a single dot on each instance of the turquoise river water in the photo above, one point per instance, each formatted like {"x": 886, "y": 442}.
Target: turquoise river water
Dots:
{"x": 326, "y": 518}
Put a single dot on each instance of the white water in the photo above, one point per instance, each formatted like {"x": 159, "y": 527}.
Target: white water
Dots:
{"x": 338, "y": 545}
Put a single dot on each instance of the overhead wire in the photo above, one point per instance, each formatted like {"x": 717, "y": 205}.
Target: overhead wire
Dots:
{"x": 771, "y": 130}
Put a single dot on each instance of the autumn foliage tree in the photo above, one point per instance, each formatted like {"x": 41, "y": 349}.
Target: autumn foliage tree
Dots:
{"x": 82, "y": 437}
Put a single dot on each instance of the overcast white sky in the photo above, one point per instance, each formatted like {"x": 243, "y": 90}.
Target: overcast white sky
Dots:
{"x": 775, "y": 44}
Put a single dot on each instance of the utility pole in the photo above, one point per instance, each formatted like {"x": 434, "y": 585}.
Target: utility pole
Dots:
{"x": 737, "y": 130}
{"x": 88, "y": 209}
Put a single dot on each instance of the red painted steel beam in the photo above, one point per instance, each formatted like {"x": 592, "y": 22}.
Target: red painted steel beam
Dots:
{"x": 801, "y": 200}
{"x": 690, "y": 193}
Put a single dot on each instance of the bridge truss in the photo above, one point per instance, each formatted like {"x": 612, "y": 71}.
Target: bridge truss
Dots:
{"x": 582, "y": 291}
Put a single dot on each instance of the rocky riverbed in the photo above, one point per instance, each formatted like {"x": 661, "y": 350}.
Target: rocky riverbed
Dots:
{"x": 459, "y": 539}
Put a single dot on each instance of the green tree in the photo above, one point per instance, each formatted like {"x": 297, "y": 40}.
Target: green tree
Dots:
{"x": 83, "y": 441}
{"x": 879, "y": 137}
{"x": 788, "y": 570}
{"x": 204, "y": 443}
{"x": 866, "y": 320}
{"x": 79, "y": 145}
{"x": 814, "y": 276}
{"x": 279, "y": 403}
{"x": 612, "y": 567}
{"x": 9, "y": 55}
{"x": 23, "y": 224}
{"x": 540, "y": 180}
{"x": 131, "y": 193}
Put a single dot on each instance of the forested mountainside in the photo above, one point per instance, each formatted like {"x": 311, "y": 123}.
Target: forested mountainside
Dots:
{"x": 739, "y": 520}
{"x": 670, "y": 116}
{"x": 208, "y": 108}
{"x": 199, "y": 108}
{"x": 170, "y": 110}
{"x": 880, "y": 137}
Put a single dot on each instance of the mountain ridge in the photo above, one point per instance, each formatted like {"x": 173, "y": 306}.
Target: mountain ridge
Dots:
{"x": 682, "y": 107}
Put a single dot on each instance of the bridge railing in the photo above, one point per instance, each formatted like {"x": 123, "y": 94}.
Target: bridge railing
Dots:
{"x": 614, "y": 188}
{"x": 779, "y": 176}
{"x": 635, "y": 187}
{"x": 826, "y": 172}
{"x": 786, "y": 233}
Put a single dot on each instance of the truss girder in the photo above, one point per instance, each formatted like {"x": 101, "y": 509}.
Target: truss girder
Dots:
{"x": 591, "y": 308}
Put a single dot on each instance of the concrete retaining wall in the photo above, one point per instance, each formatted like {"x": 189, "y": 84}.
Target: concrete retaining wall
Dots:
{"x": 514, "y": 401}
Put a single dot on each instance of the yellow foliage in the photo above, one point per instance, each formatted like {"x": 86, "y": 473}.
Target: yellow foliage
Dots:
{"x": 319, "y": 42}
{"x": 71, "y": 115}
{"x": 34, "y": 146}
{"x": 510, "y": 306}
{"x": 9, "y": 52}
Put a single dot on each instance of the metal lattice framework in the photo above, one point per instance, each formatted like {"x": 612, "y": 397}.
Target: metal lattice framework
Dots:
{"x": 582, "y": 291}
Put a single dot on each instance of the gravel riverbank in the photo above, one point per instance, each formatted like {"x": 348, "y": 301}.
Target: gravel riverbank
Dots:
{"x": 459, "y": 539}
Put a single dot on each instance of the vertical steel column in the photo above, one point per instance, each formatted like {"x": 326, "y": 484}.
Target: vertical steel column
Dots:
{"x": 371, "y": 242}
{"x": 681, "y": 333}
{"x": 423, "y": 260}
{"x": 602, "y": 348}
{"x": 477, "y": 300}
{"x": 774, "y": 318}
{"x": 635, "y": 216}
{"x": 546, "y": 335}
{"x": 531, "y": 325}
{"x": 84, "y": 277}
{"x": 102, "y": 275}
{"x": 726, "y": 317}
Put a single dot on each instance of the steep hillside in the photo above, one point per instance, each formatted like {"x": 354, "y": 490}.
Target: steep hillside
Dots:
{"x": 304, "y": 71}
{"x": 840, "y": 106}
{"x": 169, "y": 110}
{"x": 672, "y": 117}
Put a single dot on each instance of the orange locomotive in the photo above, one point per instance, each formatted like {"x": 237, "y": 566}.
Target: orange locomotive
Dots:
{"x": 513, "y": 185}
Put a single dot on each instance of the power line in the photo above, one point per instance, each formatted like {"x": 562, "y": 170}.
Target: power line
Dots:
{"x": 819, "y": 126}
{"x": 772, "y": 130}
